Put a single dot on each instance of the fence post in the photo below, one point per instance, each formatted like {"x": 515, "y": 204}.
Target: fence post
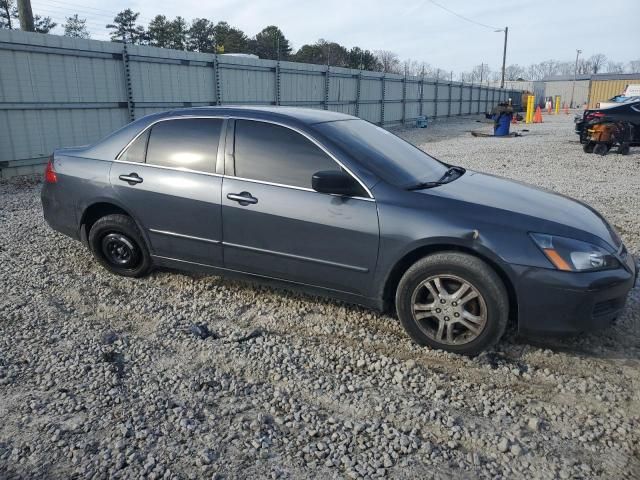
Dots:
{"x": 216, "y": 74}
{"x": 450, "y": 95}
{"x": 278, "y": 82}
{"x": 404, "y": 98}
{"x": 327, "y": 77}
{"x": 384, "y": 95}
{"x": 358, "y": 86}
{"x": 127, "y": 83}
{"x": 421, "y": 94}
{"x": 461, "y": 96}
{"x": 435, "y": 98}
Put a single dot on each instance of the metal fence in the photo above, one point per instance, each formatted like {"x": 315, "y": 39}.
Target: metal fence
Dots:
{"x": 58, "y": 91}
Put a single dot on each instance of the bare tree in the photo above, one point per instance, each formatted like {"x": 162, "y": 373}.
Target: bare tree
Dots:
{"x": 615, "y": 67}
{"x": 584, "y": 66}
{"x": 634, "y": 66}
{"x": 597, "y": 62}
{"x": 389, "y": 61}
{"x": 514, "y": 72}
{"x": 566, "y": 68}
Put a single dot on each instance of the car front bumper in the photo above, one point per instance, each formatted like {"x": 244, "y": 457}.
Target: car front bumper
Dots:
{"x": 552, "y": 301}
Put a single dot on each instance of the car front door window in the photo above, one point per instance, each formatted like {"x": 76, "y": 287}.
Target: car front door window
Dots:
{"x": 277, "y": 154}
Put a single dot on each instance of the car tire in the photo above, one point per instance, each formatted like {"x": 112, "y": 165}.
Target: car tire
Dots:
{"x": 624, "y": 149}
{"x": 588, "y": 147}
{"x": 487, "y": 312}
{"x": 600, "y": 149}
{"x": 116, "y": 243}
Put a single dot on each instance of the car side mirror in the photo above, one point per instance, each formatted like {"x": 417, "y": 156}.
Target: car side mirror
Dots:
{"x": 336, "y": 182}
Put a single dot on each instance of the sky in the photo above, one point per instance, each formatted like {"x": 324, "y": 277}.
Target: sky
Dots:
{"x": 419, "y": 29}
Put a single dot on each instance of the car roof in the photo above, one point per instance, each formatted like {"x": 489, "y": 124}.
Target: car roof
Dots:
{"x": 307, "y": 116}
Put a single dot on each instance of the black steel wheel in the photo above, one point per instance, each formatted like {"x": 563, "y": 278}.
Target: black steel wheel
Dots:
{"x": 588, "y": 147}
{"x": 117, "y": 244}
{"x": 120, "y": 251}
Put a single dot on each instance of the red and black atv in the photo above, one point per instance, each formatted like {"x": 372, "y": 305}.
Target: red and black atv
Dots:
{"x": 602, "y": 129}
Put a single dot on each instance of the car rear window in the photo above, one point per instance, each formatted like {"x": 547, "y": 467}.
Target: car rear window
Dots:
{"x": 268, "y": 152}
{"x": 190, "y": 144}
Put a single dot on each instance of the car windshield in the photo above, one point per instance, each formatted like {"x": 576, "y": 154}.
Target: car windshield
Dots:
{"x": 388, "y": 156}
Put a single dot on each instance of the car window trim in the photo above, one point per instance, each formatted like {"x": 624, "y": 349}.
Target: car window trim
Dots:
{"x": 227, "y": 125}
{"x": 312, "y": 140}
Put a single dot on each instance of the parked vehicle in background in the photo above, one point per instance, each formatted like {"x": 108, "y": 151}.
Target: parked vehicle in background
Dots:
{"x": 334, "y": 205}
{"x": 630, "y": 94}
{"x": 621, "y": 125}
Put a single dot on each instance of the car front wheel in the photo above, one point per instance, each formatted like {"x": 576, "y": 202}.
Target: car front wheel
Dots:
{"x": 453, "y": 301}
{"x": 117, "y": 244}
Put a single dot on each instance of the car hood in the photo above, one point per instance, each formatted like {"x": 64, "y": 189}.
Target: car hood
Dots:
{"x": 521, "y": 198}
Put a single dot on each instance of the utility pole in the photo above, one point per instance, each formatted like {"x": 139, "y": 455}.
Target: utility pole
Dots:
{"x": 575, "y": 73}
{"x": 504, "y": 54}
{"x": 26, "y": 15}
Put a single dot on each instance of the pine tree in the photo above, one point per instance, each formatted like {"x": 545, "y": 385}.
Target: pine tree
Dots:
{"x": 271, "y": 43}
{"x": 43, "y": 24}
{"x": 76, "y": 27}
{"x": 8, "y": 14}
{"x": 125, "y": 28}
{"x": 201, "y": 36}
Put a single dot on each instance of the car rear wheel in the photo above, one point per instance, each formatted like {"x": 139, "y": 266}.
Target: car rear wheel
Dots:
{"x": 601, "y": 149}
{"x": 453, "y": 301}
{"x": 117, "y": 244}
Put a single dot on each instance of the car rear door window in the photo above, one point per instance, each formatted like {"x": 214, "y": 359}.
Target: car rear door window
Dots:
{"x": 190, "y": 144}
{"x": 276, "y": 154}
{"x": 136, "y": 150}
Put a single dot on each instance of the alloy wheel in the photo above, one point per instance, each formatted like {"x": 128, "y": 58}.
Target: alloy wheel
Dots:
{"x": 449, "y": 309}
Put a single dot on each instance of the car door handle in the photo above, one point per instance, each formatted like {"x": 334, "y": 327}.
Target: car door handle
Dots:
{"x": 243, "y": 198}
{"x": 131, "y": 179}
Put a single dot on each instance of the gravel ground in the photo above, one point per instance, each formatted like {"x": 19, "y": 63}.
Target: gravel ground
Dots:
{"x": 102, "y": 376}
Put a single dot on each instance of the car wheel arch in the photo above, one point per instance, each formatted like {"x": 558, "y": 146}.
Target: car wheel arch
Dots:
{"x": 409, "y": 258}
{"x": 100, "y": 208}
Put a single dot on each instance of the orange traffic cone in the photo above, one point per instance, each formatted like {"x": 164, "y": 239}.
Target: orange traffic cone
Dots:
{"x": 566, "y": 109}
{"x": 537, "y": 118}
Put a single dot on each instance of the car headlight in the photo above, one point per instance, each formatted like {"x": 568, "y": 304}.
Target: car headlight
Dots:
{"x": 574, "y": 255}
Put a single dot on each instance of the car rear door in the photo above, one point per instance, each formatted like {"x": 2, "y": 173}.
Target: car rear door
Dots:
{"x": 276, "y": 225}
{"x": 166, "y": 178}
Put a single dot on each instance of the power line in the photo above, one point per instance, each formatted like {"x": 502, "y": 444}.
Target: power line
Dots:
{"x": 462, "y": 16}
{"x": 85, "y": 7}
{"x": 81, "y": 11}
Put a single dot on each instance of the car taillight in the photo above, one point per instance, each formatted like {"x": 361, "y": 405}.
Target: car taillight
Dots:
{"x": 50, "y": 175}
{"x": 591, "y": 116}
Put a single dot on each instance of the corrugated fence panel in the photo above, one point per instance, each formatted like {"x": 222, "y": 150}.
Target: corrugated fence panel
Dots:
{"x": 302, "y": 86}
{"x": 247, "y": 81}
{"x": 57, "y": 91}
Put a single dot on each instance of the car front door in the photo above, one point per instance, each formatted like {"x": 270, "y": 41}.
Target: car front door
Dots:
{"x": 276, "y": 225}
{"x": 166, "y": 179}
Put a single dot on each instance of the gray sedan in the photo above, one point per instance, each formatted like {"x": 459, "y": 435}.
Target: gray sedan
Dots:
{"x": 337, "y": 206}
